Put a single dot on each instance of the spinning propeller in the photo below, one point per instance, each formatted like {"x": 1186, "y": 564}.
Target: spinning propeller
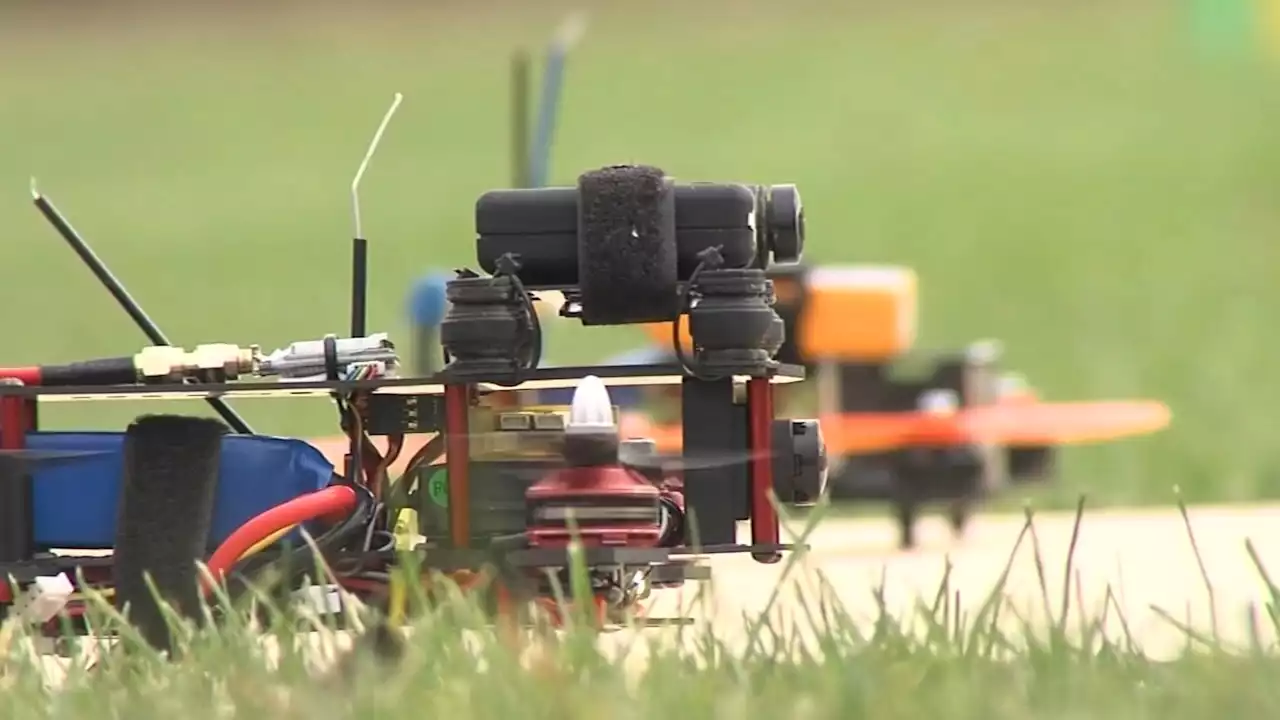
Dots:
{"x": 1011, "y": 423}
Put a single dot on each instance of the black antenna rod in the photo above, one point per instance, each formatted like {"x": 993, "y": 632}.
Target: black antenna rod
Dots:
{"x": 122, "y": 296}
{"x": 520, "y": 174}
{"x": 359, "y": 286}
{"x": 360, "y": 246}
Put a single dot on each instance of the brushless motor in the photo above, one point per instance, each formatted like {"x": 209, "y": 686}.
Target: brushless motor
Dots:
{"x": 609, "y": 503}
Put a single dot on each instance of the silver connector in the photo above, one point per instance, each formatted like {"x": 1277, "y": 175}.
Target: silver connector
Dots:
{"x": 217, "y": 362}
{"x": 306, "y": 359}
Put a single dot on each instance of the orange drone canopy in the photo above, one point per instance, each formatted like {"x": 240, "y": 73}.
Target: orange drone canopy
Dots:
{"x": 857, "y": 313}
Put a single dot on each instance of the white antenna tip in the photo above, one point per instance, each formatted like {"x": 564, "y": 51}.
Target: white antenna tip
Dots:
{"x": 35, "y": 191}
{"x": 364, "y": 164}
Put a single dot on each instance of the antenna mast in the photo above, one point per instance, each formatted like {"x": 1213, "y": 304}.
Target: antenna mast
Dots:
{"x": 360, "y": 246}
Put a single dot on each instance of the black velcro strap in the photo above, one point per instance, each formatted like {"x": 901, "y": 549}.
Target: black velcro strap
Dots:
{"x": 331, "y": 357}
{"x": 169, "y": 486}
{"x": 627, "y": 254}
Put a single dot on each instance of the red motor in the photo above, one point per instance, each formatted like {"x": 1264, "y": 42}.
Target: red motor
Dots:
{"x": 607, "y": 503}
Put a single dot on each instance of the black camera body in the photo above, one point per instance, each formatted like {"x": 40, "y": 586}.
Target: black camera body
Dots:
{"x": 620, "y": 243}
{"x": 628, "y": 245}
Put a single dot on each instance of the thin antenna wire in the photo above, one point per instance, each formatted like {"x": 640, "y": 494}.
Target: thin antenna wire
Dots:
{"x": 364, "y": 164}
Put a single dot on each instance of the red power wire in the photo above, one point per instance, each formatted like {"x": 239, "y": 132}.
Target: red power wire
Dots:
{"x": 333, "y": 500}
{"x": 28, "y": 375}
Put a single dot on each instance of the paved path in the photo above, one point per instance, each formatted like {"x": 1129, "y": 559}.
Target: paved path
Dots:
{"x": 1145, "y": 558}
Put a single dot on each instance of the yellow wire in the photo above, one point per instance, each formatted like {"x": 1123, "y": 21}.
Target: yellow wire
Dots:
{"x": 104, "y": 592}
{"x": 397, "y": 592}
{"x": 266, "y": 542}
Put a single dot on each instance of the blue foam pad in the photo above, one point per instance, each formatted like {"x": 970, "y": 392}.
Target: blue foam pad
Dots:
{"x": 427, "y": 303}
{"x": 76, "y": 501}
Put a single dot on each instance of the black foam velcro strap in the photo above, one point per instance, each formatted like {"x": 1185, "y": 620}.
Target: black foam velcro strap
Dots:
{"x": 627, "y": 254}
{"x": 170, "y": 480}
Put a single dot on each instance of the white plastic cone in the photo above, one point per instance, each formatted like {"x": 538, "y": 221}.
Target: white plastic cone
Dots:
{"x": 591, "y": 412}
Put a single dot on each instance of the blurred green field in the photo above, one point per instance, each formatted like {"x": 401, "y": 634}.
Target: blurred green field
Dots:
{"x": 1065, "y": 177}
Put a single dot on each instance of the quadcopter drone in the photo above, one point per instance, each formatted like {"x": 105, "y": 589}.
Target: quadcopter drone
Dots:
{"x": 906, "y": 426}
{"x": 494, "y": 495}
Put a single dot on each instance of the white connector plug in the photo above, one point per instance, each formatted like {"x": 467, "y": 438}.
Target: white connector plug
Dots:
{"x": 320, "y": 599}
{"x": 45, "y": 597}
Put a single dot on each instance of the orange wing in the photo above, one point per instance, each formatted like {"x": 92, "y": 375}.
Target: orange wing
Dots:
{"x": 1012, "y": 424}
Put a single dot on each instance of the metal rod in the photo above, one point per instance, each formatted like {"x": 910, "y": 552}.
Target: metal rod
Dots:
{"x": 16, "y": 533}
{"x": 359, "y": 285}
{"x": 457, "y": 408}
{"x": 520, "y": 171}
{"x": 764, "y": 516}
{"x": 122, "y": 296}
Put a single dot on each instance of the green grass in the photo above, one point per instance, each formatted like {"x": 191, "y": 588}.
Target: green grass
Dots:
{"x": 1068, "y": 178}
{"x": 948, "y": 657}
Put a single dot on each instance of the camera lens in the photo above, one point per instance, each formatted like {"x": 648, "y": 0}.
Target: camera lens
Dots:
{"x": 783, "y": 224}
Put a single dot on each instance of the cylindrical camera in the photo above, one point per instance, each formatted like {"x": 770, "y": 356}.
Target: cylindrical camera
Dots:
{"x": 756, "y": 225}
{"x": 625, "y": 237}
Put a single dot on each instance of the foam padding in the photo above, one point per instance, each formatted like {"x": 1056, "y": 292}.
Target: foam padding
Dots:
{"x": 627, "y": 253}
{"x": 166, "y": 508}
{"x": 74, "y": 503}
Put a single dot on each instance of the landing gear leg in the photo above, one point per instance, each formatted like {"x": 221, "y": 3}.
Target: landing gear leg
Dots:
{"x": 908, "y": 511}
{"x": 958, "y": 513}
